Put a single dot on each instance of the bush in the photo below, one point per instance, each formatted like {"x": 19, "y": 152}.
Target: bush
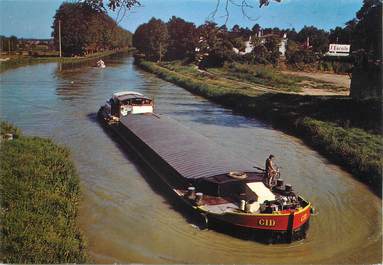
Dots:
{"x": 301, "y": 57}
{"x": 40, "y": 194}
{"x": 6, "y": 127}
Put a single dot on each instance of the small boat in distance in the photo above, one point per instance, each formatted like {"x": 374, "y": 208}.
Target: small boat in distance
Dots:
{"x": 219, "y": 186}
{"x": 101, "y": 64}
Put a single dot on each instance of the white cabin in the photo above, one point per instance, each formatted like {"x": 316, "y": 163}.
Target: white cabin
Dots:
{"x": 128, "y": 102}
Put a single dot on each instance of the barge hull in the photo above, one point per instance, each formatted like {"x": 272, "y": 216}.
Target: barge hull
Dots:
{"x": 172, "y": 173}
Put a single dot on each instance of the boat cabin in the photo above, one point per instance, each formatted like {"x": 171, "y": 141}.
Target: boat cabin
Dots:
{"x": 128, "y": 102}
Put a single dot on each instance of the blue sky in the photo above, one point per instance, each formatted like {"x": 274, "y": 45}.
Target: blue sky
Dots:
{"x": 33, "y": 18}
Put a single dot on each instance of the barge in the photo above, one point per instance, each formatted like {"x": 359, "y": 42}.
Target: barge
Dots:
{"x": 217, "y": 185}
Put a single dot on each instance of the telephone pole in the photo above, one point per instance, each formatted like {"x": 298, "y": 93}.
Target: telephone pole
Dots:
{"x": 60, "y": 37}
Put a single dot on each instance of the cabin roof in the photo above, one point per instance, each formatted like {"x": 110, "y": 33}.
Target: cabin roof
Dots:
{"x": 192, "y": 155}
{"x": 121, "y": 93}
{"x": 124, "y": 95}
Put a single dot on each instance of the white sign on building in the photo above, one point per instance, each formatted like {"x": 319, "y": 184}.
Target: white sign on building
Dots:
{"x": 339, "y": 49}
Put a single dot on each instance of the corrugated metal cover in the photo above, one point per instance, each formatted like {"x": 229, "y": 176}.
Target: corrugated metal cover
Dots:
{"x": 190, "y": 154}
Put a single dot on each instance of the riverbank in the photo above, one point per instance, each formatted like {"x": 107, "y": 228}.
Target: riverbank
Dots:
{"x": 345, "y": 131}
{"x": 39, "y": 203}
{"x": 28, "y": 60}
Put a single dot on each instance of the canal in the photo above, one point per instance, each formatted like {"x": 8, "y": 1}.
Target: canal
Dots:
{"x": 128, "y": 219}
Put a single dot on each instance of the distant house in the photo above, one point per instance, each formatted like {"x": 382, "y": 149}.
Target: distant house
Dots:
{"x": 249, "y": 46}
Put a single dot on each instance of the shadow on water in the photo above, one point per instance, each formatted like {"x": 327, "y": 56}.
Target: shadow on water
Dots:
{"x": 191, "y": 216}
{"x": 113, "y": 60}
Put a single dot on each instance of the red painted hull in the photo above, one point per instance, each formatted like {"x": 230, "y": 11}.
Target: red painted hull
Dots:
{"x": 272, "y": 222}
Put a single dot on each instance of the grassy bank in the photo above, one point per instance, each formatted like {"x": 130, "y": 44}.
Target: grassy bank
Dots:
{"x": 28, "y": 60}
{"x": 257, "y": 76}
{"x": 40, "y": 195}
{"x": 345, "y": 131}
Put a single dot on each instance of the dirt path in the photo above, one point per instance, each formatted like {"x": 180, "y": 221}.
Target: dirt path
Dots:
{"x": 306, "y": 90}
{"x": 338, "y": 80}
{"x": 322, "y": 92}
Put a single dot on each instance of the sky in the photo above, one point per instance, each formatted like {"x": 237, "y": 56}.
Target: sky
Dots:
{"x": 33, "y": 18}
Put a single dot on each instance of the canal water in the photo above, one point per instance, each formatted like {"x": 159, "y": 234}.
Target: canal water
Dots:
{"x": 127, "y": 218}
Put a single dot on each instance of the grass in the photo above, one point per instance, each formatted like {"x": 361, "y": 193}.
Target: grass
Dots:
{"x": 258, "y": 76}
{"x": 40, "y": 195}
{"x": 261, "y": 75}
{"x": 346, "y": 131}
{"x": 28, "y": 60}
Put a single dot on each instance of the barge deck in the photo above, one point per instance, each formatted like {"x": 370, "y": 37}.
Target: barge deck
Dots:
{"x": 215, "y": 183}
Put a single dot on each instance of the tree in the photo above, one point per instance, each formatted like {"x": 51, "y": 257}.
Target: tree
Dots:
{"x": 152, "y": 39}
{"x": 366, "y": 43}
{"x": 259, "y": 53}
{"x": 367, "y": 32}
{"x": 340, "y": 35}
{"x": 318, "y": 38}
{"x": 8, "y": 44}
{"x": 114, "y": 4}
{"x": 214, "y": 45}
{"x": 272, "y": 45}
{"x": 74, "y": 25}
{"x": 238, "y": 43}
{"x": 182, "y": 40}
{"x": 265, "y": 50}
{"x": 256, "y": 29}
{"x": 291, "y": 34}
{"x": 85, "y": 29}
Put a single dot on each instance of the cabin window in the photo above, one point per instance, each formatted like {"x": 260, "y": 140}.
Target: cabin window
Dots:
{"x": 136, "y": 102}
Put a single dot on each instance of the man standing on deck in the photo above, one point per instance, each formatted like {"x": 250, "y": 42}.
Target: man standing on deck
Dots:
{"x": 271, "y": 171}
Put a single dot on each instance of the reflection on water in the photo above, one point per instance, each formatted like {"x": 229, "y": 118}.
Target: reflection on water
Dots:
{"x": 125, "y": 214}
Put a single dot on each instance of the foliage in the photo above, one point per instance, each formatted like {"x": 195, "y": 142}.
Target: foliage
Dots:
{"x": 238, "y": 43}
{"x": 112, "y": 4}
{"x": 152, "y": 39}
{"x": 85, "y": 29}
{"x": 8, "y": 44}
{"x": 182, "y": 40}
{"x": 6, "y": 127}
{"x": 367, "y": 33}
{"x": 272, "y": 46}
{"x": 367, "y": 50}
{"x": 299, "y": 57}
{"x": 340, "y": 35}
{"x": 214, "y": 45}
{"x": 40, "y": 195}
{"x": 264, "y": 75}
{"x": 318, "y": 38}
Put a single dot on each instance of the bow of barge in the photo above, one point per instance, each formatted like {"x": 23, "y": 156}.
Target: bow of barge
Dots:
{"x": 213, "y": 182}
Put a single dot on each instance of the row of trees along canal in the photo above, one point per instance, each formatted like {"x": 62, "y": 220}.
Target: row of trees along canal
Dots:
{"x": 86, "y": 29}
{"x": 210, "y": 45}
{"x": 178, "y": 39}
